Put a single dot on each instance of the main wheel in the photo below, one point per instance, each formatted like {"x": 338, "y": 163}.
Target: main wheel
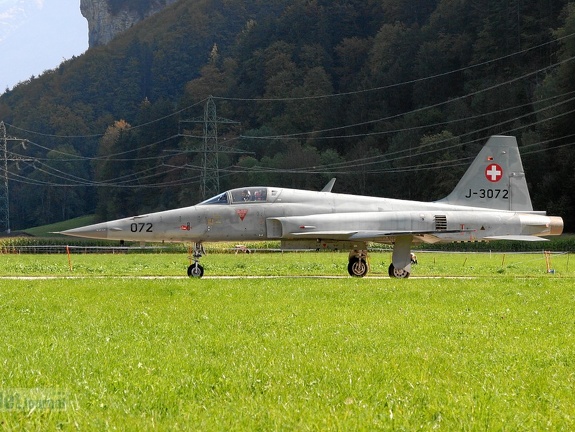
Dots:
{"x": 398, "y": 273}
{"x": 357, "y": 267}
{"x": 195, "y": 271}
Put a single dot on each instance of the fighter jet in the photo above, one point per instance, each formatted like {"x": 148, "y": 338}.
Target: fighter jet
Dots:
{"x": 490, "y": 202}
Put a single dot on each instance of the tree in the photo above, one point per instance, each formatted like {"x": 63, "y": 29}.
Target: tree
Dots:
{"x": 113, "y": 168}
{"x": 557, "y": 162}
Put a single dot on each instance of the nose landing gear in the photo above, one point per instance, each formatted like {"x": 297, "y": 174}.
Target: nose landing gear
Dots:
{"x": 358, "y": 266}
{"x": 196, "y": 270}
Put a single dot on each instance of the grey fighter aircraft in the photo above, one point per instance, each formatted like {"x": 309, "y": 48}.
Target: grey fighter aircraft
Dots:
{"x": 490, "y": 202}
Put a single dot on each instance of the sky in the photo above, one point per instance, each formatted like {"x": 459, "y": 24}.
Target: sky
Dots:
{"x": 38, "y": 35}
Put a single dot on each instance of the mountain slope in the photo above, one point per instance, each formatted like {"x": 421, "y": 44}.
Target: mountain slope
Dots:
{"x": 411, "y": 93}
{"x": 108, "y": 18}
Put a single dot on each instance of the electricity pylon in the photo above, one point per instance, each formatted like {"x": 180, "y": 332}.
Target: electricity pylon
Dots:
{"x": 4, "y": 188}
{"x": 210, "y": 149}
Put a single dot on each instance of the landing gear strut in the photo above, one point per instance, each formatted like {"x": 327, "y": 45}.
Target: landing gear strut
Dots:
{"x": 196, "y": 270}
{"x": 358, "y": 266}
{"x": 400, "y": 266}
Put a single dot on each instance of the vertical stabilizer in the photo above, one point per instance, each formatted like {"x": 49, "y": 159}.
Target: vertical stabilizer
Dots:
{"x": 495, "y": 179}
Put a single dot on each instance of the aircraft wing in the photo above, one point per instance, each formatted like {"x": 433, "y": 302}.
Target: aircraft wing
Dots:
{"x": 517, "y": 238}
{"x": 331, "y": 235}
{"x": 374, "y": 235}
{"x": 377, "y": 236}
{"x": 368, "y": 235}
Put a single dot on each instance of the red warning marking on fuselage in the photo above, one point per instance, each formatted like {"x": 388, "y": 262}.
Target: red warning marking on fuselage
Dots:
{"x": 242, "y": 214}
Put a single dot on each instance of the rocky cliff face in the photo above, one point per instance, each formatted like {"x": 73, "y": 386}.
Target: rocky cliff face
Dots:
{"x": 103, "y": 25}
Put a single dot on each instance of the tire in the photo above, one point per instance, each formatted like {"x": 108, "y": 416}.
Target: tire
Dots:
{"x": 397, "y": 273}
{"x": 357, "y": 267}
{"x": 195, "y": 271}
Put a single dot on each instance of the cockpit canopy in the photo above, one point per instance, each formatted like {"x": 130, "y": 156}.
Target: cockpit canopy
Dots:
{"x": 241, "y": 195}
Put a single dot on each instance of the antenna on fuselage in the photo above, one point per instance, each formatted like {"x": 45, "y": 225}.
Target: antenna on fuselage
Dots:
{"x": 329, "y": 186}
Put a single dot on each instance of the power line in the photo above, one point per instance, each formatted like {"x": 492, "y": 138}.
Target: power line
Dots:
{"x": 327, "y": 96}
{"x": 205, "y": 149}
{"x": 300, "y": 135}
{"x": 408, "y": 82}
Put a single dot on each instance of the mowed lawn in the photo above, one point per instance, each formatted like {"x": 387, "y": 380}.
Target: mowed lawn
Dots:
{"x": 496, "y": 352}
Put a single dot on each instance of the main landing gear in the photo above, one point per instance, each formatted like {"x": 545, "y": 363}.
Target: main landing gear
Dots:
{"x": 196, "y": 270}
{"x": 359, "y": 267}
{"x": 401, "y": 259}
{"x": 400, "y": 266}
{"x": 400, "y": 273}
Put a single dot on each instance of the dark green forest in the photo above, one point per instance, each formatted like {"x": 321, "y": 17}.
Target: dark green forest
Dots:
{"x": 392, "y": 97}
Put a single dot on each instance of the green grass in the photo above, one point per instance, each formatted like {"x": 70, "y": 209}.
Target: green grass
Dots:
{"x": 283, "y": 264}
{"x": 496, "y": 352}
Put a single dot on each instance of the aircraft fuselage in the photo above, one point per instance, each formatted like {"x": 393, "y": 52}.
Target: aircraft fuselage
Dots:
{"x": 289, "y": 214}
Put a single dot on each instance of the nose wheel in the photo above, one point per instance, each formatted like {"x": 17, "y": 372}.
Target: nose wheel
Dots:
{"x": 357, "y": 265}
{"x": 196, "y": 270}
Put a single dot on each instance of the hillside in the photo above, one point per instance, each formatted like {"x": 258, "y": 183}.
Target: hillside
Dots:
{"x": 391, "y": 97}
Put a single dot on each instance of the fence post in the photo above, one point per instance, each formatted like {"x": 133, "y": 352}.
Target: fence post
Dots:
{"x": 69, "y": 257}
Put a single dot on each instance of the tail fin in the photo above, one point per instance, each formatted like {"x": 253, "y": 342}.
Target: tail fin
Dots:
{"x": 495, "y": 179}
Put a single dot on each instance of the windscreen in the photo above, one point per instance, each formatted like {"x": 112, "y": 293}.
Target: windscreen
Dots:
{"x": 218, "y": 199}
{"x": 256, "y": 194}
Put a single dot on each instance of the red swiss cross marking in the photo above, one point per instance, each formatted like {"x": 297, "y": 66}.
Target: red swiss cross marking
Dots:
{"x": 493, "y": 173}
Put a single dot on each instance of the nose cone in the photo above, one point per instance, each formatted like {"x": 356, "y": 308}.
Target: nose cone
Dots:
{"x": 96, "y": 231}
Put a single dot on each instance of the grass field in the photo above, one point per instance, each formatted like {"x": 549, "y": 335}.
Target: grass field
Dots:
{"x": 284, "y": 264}
{"x": 494, "y": 352}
